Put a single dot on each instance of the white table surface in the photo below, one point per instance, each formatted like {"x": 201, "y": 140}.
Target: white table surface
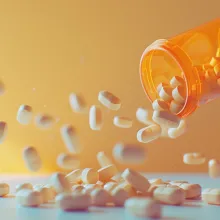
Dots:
{"x": 190, "y": 210}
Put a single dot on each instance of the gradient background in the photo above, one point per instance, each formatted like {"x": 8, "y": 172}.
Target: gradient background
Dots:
{"x": 58, "y": 47}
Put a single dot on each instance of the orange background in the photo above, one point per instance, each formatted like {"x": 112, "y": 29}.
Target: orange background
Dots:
{"x": 58, "y": 47}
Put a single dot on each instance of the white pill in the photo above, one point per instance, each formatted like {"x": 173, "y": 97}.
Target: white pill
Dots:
{"x": 106, "y": 173}
{"x": 26, "y": 197}
{"x": 88, "y": 188}
{"x": 143, "y": 207}
{"x": 95, "y": 118}
{"x": 70, "y": 138}
{"x": 52, "y": 189}
{"x": 211, "y": 196}
{"x": 103, "y": 159}
{"x": 166, "y": 93}
{"x": 90, "y": 176}
{"x": 175, "y": 107}
{"x": 180, "y": 130}
{"x": 160, "y": 105}
{"x": 73, "y": 201}
{"x": 177, "y": 81}
{"x": 155, "y": 181}
{"x": 109, "y": 186}
{"x": 109, "y": 100}
{"x": 122, "y": 122}
{"x": 193, "y": 158}
{"x": 136, "y": 180}
{"x": 68, "y": 161}
{"x": 144, "y": 116}
{"x": 4, "y": 189}
{"x": 119, "y": 196}
{"x": 214, "y": 168}
{"x": 3, "y": 131}
{"x": 23, "y": 186}
{"x": 60, "y": 183}
{"x": 32, "y": 159}
{"x": 179, "y": 94}
{"x": 100, "y": 197}
{"x": 24, "y": 114}
{"x": 44, "y": 121}
{"x": 47, "y": 193}
{"x": 148, "y": 134}
{"x": 166, "y": 119}
{"x": 159, "y": 87}
{"x": 77, "y": 103}
{"x": 74, "y": 176}
{"x": 129, "y": 153}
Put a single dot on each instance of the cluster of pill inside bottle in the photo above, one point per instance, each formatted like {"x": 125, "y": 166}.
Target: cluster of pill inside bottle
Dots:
{"x": 108, "y": 186}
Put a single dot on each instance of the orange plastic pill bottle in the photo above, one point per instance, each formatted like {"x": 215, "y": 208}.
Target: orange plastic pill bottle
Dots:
{"x": 194, "y": 56}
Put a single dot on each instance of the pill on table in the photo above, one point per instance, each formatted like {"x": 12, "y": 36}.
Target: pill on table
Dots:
{"x": 177, "y": 81}
{"x": 160, "y": 105}
{"x": 89, "y": 175}
{"x": 193, "y": 158}
{"x": 122, "y": 122}
{"x": 180, "y": 130}
{"x": 74, "y": 176}
{"x": 166, "y": 119}
{"x": 100, "y": 197}
{"x": 95, "y": 118}
{"x": 73, "y": 201}
{"x": 44, "y": 121}
{"x": 109, "y": 100}
{"x": 159, "y": 87}
{"x": 169, "y": 195}
{"x": 103, "y": 159}
{"x": 214, "y": 61}
{"x": 70, "y": 138}
{"x": 24, "y": 114}
{"x": 144, "y": 116}
{"x": 32, "y": 159}
{"x": 175, "y": 107}
{"x": 129, "y": 153}
{"x": 106, "y": 173}
{"x": 51, "y": 193}
{"x": 60, "y": 183}
{"x": 4, "y": 189}
{"x": 153, "y": 187}
{"x": 109, "y": 186}
{"x": 166, "y": 93}
{"x": 128, "y": 188}
{"x": 88, "y": 188}
{"x": 136, "y": 180}
{"x": 68, "y": 161}
{"x": 211, "y": 196}
{"x": 117, "y": 178}
{"x": 47, "y": 193}
{"x": 27, "y": 197}
{"x": 155, "y": 181}
{"x": 218, "y": 52}
{"x": 3, "y": 131}
{"x": 214, "y": 168}
{"x": 149, "y": 133}
{"x": 143, "y": 207}
{"x": 119, "y": 196}
{"x": 77, "y": 103}
{"x": 23, "y": 186}
{"x": 77, "y": 188}
{"x": 217, "y": 69}
{"x": 191, "y": 190}
{"x": 179, "y": 94}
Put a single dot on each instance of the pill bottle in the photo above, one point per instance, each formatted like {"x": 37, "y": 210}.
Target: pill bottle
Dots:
{"x": 193, "y": 55}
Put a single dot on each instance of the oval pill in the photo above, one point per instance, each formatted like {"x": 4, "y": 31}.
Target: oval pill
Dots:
{"x": 180, "y": 130}
{"x": 149, "y": 133}
{"x": 144, "y": 116}
{"x": 159, "y": 87}
{"x": 23, "y": 186}
{"x": 89, "y": 175}
{"x": 119, "y": 196}
{"x": 95, "y": 118}
{"x": 70, "y": 138}
{"x": 193, "y": 158}
{"x": 166, "y": 93}
{"x": 109, "y": 186}
{"x": 68, "y": 161}
{"x": 106, "y": 173}
{"x": 32, "y": 159}
{"x": 73, "y": 201}
{"x": 4, "y": 189}
{"x": 77, "y": 103}
{"x": 136, "y": 180}
{"x": 143, "y": 207}
{"x": 44, "y": 121}
{"x": 128, "y": 188}
{"x": 24, "y": 114}
{"x": 100, "y": 197}
{"x": 129, "y": 153}
{"x": 47, "y": 193}
{"x": 211, "y": 196}
{"x": 103, "y": 159}
{"x": 191, "y": 190}
{"x": 26, "y": 197}
{"x": 177, "y": 81}
{"x": 175, "y": 107}
{"x": 179, "y": 94}
{"x": 74, "y": 176}
{"x": 214, "y": 168}
{"x": 122, "y": 122}
{"x": 109, "y": 100}
{"x": 3, "y": 131}
{"x": 160, "y": 105}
